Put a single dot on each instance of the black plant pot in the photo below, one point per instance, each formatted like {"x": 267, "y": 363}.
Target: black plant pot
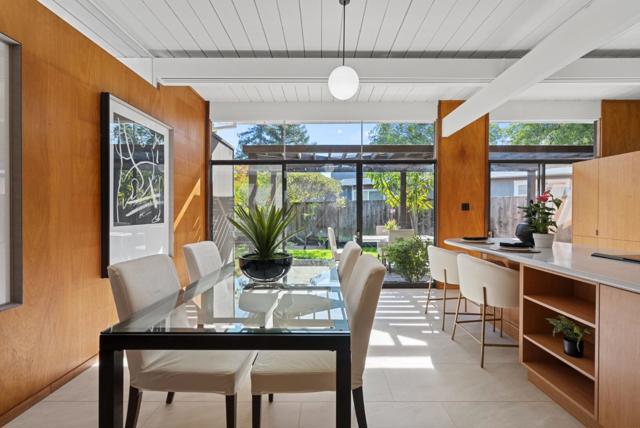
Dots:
{"x": 524, "y": 233}
{"x": 265, "y": 270}
{"x": 572, "y": 349}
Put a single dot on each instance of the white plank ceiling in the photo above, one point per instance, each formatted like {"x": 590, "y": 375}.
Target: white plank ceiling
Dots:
{"x": 313, "y": 28}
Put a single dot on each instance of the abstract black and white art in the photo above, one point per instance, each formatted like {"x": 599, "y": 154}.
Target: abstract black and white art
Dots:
{"x": 138, "y": 178}
{"x": 136, "y": 183}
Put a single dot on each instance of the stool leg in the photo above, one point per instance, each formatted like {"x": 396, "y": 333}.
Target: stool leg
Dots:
{"x": 483, "y": 310}
{"x": 426, "y": 309}
{"x": 455, "y": 320}
{"x": 501, "y": 318}
{"x": 444, "y": 303}
{"x": 493, "y": 310}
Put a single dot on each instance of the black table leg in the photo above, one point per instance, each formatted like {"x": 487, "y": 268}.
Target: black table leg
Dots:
{"x": 110, "y": 389}
{"x": 343, "y": 388}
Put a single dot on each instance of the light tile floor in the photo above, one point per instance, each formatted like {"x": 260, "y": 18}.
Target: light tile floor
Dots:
{"x": 416, "y": 377}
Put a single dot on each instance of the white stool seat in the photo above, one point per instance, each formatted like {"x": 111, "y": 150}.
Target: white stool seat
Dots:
{"x": 487, "y": 285}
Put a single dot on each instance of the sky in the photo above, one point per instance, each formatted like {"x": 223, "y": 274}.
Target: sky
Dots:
{"x": 319, "y": 133}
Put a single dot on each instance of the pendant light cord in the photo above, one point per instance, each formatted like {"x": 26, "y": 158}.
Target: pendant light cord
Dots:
{"x": 344, "y": 28}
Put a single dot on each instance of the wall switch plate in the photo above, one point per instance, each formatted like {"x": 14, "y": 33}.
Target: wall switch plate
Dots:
{"x": 466, "y": 206}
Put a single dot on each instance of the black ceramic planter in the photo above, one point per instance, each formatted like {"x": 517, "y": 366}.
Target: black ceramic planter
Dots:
{"x": 571, "y": 348}
{"x": 265, "y": 270}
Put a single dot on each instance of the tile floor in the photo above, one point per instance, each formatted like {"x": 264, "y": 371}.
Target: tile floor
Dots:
{"x": 416, "y": 377}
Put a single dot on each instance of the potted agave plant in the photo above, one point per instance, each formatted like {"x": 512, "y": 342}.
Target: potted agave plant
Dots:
{"x": 539, "y": 216}
{"x": 573, "y": 335}
{"x": 264, "y": 227}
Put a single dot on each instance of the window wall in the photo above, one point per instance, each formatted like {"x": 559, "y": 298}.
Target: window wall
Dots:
{"x": 527, "y": 159}
{"x": 352, "y": 177}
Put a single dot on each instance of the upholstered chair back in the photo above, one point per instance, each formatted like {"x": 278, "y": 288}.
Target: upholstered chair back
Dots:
{"x": 501, "y": 283}
{"x": 350, "y": 254}
{"x": 333, "y": 243}
{"x": 361, "y": 297}
{"x": 136, "y": 284}
{"x": 441, "y": 261}
{"x": 202, "y": 259}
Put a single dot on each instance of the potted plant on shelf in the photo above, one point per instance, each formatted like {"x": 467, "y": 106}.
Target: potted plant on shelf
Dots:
{"x": 539, "y": 216}
{"x": 264, "y": 227}
{"x": 573, "y": 335}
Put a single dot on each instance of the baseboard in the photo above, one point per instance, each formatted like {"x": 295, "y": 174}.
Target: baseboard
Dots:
{"x": 44, "y": 392}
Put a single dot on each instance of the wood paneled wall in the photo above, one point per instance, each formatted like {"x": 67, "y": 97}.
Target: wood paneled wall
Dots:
{"x": 66, "y": 304}
{"x": 606, "y": 194}
{"x": 462, "y": 177}
{"x": 619, "y": 127}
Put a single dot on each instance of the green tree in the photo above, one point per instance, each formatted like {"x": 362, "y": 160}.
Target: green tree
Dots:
{"x": 310, "y": 191}
{"x": 402, "y": 133}
{"x": 269, "y": 135}
{"x": 419, "y": 184}
{"x": 305, "y": 187}
{"x": 527, "y": 134}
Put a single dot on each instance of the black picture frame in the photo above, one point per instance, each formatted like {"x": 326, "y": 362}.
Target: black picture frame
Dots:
{"x": 107, "y": 101}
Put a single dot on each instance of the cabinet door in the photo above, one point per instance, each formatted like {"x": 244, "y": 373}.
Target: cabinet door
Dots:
{"x": 619, "y": 344}
{"x": 618, "y": 197}
{"x": 585, "y": 198}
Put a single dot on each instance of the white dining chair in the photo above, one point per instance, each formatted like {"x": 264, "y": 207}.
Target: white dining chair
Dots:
{"x": 333, "y": 244}
{"x": 443, "y": 265}
{"x": 139, "y": 283}
{"x": 202, "y": 258}
{"x": 487, "y": 285}
{"x": 350, "y": 254}
{"x": 314, "y": 371}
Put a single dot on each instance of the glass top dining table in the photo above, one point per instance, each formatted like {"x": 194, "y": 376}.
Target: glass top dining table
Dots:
{"x": 227, "y": 310}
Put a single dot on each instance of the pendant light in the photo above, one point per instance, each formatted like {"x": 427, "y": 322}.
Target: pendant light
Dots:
{"x": 343, "y": 80}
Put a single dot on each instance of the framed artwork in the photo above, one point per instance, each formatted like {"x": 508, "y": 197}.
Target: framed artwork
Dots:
{"x": 10, "y": 173}
{"x": 136, "y": 178}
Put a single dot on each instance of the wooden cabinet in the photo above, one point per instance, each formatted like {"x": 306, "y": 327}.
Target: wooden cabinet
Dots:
{"x": 619, "y": 340}
{"x": 606, "y": 202}
{"x": 619, "y": 197}
{"x": 585, "y": 198}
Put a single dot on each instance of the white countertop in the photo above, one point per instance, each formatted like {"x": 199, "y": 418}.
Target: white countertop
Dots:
{"x": 568, "y": 259}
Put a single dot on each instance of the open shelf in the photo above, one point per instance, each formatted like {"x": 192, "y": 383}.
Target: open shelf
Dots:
{"x": 573, "y": 387}
{"x": 553, "y": 345}
{"x": 570, "y": 306}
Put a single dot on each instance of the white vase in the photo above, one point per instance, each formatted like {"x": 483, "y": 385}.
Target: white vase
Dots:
{"x": 543, "y": 240}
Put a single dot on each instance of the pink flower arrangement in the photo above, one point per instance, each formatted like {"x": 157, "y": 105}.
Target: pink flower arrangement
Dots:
{"x": 545, "y": 197}
{"x": 539, "y": 214}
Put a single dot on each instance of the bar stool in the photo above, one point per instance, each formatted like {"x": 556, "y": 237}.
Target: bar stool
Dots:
{"x": 486, "y": 284}
{"x": 443, "y": 265}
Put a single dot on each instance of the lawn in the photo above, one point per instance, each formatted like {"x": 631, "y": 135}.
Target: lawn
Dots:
{"x": 320, "y": 253}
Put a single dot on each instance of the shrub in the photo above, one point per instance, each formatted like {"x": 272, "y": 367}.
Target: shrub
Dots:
{"x": 409, "y": 258}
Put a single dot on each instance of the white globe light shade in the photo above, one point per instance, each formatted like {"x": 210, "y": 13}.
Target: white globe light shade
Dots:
{"x": 343, "y": 82}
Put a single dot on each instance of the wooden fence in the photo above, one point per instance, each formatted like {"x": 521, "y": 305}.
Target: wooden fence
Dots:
{"x": 314, "y": 218}
{"x": 505, "y": 214}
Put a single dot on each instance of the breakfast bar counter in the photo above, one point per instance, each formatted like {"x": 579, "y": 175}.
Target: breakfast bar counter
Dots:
{"x": 600, "y": 294}
{"x": 565, "y": 259}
